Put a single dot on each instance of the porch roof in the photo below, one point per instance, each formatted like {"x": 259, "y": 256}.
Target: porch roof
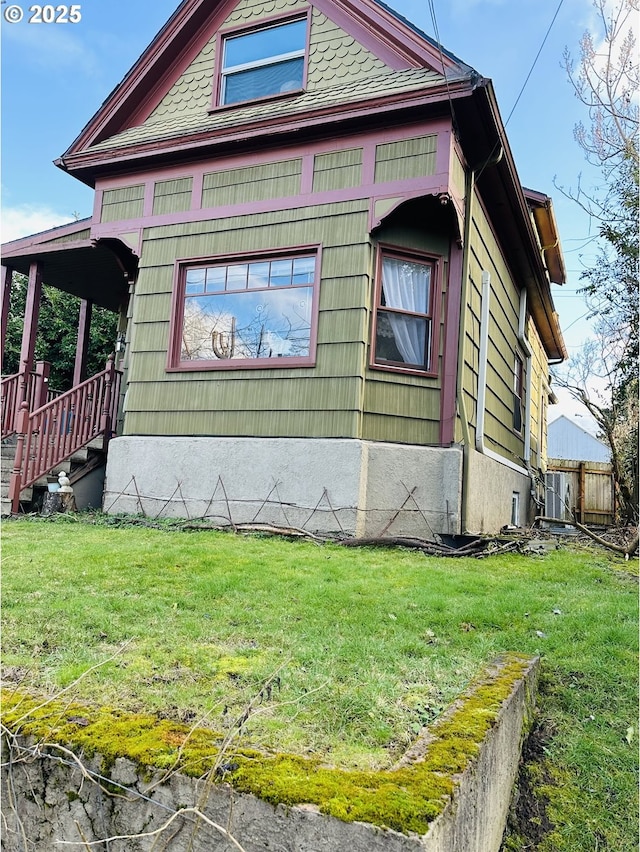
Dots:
{"x": 97, "y": 270}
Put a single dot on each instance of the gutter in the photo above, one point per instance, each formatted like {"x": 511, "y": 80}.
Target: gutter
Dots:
{"x": 544, "y": 217}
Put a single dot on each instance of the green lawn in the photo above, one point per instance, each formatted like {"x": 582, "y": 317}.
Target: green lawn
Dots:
{"x": 362, "y": 646}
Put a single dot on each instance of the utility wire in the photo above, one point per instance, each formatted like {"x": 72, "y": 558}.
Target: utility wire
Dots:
{"x": 544, "y": 40}
{"x": 533, "y": 65}
{"x": 444, "y": 71}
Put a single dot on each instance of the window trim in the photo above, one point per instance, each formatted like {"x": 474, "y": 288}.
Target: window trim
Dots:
{"x": 248, "y": 29}
{"x": 181, "y": 265}
{"x": 515, "y": 508}
{"x": 519, "y": 377}
{"x": 414, "y": 256}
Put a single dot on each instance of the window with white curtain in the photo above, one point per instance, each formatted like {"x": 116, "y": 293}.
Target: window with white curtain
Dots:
{"x": 404, "y": 312}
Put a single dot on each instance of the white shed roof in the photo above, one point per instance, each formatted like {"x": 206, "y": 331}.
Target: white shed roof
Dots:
{"x": 567, "y": 440}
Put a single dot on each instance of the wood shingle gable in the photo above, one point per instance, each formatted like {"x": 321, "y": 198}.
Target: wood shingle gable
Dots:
{"x": 170, "y": 88}
{"x": 350, "y": 94}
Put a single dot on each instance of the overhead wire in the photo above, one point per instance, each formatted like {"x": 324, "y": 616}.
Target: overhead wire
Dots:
{"x": 444, "y": 70}
{"x": 535, "y": 61}
{"x": 523, "y": 87}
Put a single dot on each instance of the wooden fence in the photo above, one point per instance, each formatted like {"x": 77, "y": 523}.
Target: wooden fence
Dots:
{"x": 580, "y": 490}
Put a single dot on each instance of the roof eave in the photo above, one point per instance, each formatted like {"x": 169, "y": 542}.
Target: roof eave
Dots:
{"x": 544, "y": 216}
{"x": 89, "y": 164}
{"x": 501, "y": 187}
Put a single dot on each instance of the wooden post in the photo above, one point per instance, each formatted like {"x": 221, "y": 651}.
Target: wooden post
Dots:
{"x": 581, "y": 484}
{"x": 105, "y": 419}
{"x": 41, "y": 379}
{"x": 7, "y": 279}
{"x": 82, "y": 346}
{"x": 30, "y": 330}
{"x": 22, "y": 425}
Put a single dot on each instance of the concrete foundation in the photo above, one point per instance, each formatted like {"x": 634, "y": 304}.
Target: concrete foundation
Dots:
{"x": 491, "y": 486}
{"x": 331, "y": 486}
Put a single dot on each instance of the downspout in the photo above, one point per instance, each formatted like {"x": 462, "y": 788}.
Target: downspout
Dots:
{"x": 528, "y": 352}
{"x": 470, "y": 181}
{"x": 483, "y": 358}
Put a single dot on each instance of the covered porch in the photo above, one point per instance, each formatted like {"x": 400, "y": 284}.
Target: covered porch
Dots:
{"x": 44, "y": 427}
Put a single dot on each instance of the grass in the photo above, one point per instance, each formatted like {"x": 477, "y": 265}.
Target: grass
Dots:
{"x": 363, "y": 647}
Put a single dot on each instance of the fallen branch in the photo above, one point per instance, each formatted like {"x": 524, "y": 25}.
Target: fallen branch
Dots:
{"x": 627, "y": 550}
{"x": 268, "y": 529}
{"x": 431, "y": 548}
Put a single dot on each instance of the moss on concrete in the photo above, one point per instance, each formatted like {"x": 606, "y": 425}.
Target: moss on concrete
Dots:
{"x": 406, "y": 799}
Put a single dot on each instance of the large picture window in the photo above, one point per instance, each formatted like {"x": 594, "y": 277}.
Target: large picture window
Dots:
{"x": 255, "y": 311}
{"x": 263, "y": 62}
{"x": 403, "y": 322}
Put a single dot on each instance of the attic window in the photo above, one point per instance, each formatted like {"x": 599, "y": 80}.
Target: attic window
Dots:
{"x": 264, "y": 62}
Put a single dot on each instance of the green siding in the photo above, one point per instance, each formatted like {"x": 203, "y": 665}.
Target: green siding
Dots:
{"x": 337, "y": 170}
{"x": 172, "y": 196}
{"x": 154, "y": 307}
{"x": 342, "y": 326}
{"x": 400, "y": 430}
{"x": 71, "y": 238}
{"x": 277, "y": 424}
{"x": 124, "y": 203}
{"x": 348, "y": 292}
{"x": 324, "y": 400}
{"x": 415, "y": 400}
{"x": 335, "y": 57}
{"x": 486, "y": 255}
{"x": 340, "y": 396}
{"x": 458, "y": 174}
{"x": 333, "y": 359}
{"x": 410, "y": 158}
{"x": 275, "y": 390}
{"x": 253, "y": 183}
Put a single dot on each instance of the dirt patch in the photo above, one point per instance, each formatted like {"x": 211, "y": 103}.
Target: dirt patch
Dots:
{"x": 528, "y": 822}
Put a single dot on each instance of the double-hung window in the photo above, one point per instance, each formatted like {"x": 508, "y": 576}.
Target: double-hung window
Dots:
{"x": 518, "y": 393}
{"x": 404, "y": 312}
{"x": 264, "y": 62}
{"x": 251, "y": 311}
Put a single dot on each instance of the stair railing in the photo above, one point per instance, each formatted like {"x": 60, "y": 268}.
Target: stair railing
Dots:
{"x": 30, "y": 386}
{"x": 58, "y": 429}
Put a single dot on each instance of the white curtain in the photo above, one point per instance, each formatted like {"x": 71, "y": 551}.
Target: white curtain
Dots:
{"x": 406, "y": 286}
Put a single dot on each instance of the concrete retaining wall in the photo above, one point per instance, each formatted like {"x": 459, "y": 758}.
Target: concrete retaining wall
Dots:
{"x": 48, "y": 796}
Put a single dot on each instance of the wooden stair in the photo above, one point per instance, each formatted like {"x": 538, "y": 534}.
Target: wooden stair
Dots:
{"x": 89, "y": 460}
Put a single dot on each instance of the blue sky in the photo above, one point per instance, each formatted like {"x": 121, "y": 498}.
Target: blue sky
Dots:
{"x": 55, "y": 76}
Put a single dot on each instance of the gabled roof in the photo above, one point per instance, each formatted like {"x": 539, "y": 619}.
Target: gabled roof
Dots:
{"x": 567, "y": 440}
{"x": 391, "y": 38}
